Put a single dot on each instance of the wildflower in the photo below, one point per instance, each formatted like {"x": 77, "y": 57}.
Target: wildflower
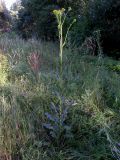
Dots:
{"x": 59, "y": 12}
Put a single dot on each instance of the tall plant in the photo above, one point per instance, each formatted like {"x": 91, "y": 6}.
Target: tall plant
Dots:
{"x": 61, "y": 16}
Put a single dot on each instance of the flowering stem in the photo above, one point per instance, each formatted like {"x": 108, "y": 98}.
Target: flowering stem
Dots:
{"x": 61, "y": 17}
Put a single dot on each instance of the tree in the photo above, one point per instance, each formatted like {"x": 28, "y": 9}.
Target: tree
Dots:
{"x": 44, "y": 22}
{"x": 4, "y": 17}
{"x": 36, "y": 18}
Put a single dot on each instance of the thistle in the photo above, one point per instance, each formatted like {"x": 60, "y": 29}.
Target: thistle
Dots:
{"x": 56, "y": 122}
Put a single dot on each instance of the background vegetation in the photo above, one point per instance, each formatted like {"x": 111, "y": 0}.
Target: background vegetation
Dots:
{"x": 52, "y": 114}
{"x": 37, "y": 19}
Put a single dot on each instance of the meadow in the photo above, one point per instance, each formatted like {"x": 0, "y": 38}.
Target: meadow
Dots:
{"x": 44, "y": 115}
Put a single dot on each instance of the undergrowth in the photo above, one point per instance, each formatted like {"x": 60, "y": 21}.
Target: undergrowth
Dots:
{"x": 42, "y": 119}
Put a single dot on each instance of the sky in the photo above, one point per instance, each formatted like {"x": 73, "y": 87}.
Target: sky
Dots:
{"x": 9, "y": 3}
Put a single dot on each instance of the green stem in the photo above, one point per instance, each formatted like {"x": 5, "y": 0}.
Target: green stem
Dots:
{"x": 61, "y": 49}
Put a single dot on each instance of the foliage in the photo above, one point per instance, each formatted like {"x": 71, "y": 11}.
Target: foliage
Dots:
{"x": 37, "y": 20}
{"x": 4, "y": 68}
{"x": 5, "y": 19}
{"x": 57, "y": 127}
{"x": 86, "y": 108}
{"x": 103, "y": 16}
{"x": 24, "y": 24}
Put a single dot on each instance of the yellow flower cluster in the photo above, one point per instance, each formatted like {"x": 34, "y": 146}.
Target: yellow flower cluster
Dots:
{"x": 59, "y": 12}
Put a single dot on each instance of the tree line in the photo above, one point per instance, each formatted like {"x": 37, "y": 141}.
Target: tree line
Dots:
{"x": 36, "y": 19}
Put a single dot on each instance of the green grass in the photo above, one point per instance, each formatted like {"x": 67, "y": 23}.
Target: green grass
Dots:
{"x": 87, "y": 81}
